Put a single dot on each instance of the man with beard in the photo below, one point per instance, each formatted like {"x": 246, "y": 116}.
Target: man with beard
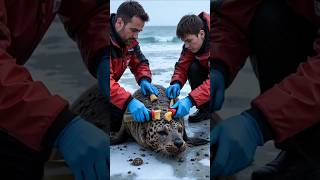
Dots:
{"x": 125, "y": 51}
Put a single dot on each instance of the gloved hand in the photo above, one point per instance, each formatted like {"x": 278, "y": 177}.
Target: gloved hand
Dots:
{"x": 138, "y": 110}
{"x": 183, "y": 107}
{"x": 237, "y": 139}
{"x": 103, "y": 74}
{"x": 85, "y": 149}
{"x": 217, "y": 89}
{"x": 173, "y": 91}
{"x": 145, "y": 86}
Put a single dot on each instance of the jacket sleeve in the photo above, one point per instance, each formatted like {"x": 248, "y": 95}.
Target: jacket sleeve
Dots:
{"x": 293, "y": 105}
{"x": 289, "y": 107}
{"x": 27, "y": 108}
{"x": 201, "y": 94}
{"x": 230, "y": 21}
{"x": 86, "y": 22}
{"x": 118, "y": 95}
{"x": 139, "y": 65}
{"x": 181, "y": 67}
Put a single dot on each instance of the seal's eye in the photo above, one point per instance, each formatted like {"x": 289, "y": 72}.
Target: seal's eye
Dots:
{"x": 180, "y": 129}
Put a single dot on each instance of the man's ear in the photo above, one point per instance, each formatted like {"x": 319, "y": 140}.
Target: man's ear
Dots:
{"x": 202, "y": 34}
{"x": 119, "y": 23}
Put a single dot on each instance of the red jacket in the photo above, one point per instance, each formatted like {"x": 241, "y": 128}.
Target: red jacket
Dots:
{"x": 27, "y": 108}
{"x": 201, "y": 94}
{"x": 123, "y": 56}
{"x": 290, "y": 106}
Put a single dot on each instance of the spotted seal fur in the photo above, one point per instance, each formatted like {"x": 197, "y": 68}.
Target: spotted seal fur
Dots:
{"x": 168, "y": 137}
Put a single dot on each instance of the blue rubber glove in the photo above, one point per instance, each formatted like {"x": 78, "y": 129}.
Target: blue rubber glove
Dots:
{"x": 85, "y": 149}
{"x": 103, "y": 76}
{"x": 138, "y": 111}
{"x": 145, "y": 86}
{"x": 173, "y": 91}
{"x": 183, "y": 107}
{"x": 217, "y": 90}
{"x": 237, "y": 139}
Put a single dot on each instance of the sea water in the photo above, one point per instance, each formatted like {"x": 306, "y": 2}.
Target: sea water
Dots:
{"x": 162, "y": 48}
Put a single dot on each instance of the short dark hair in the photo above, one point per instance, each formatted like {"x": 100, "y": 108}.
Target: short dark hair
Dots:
{"x": 129, "y": 9}
{"x": 189, "y": 24}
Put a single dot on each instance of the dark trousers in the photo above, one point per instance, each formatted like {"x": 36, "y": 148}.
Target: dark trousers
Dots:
{"x": 280, "y": 41}
{"x": 18, "y": 162}
{"x": 116, "y": 118}
{"x": 197, "y": 74}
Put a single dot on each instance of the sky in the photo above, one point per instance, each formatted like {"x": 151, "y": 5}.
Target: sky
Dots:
{"x": 167, "y": 12}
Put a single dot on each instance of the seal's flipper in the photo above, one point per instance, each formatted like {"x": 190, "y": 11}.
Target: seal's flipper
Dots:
{"x": 119, "y": 137}
{"x": 194, "y": 141}
{"x": 114, "y": 140}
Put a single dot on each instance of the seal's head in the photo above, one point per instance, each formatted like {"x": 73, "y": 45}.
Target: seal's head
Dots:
{"x": 166, "y": 136}
{"x": 161, "y": 135}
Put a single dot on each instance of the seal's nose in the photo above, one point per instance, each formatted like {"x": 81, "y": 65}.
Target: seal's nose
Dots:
{"x": 178, "y": 143}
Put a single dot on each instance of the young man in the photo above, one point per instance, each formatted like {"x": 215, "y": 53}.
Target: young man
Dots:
{"x": 125, "y": 51}
{"x": 281, "y": 37}
{"x": 193, "y": 65}
{"x": 32, "y": 120}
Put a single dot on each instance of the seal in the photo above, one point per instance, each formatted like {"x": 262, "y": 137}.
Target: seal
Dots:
{"x": 167, "y": 137}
